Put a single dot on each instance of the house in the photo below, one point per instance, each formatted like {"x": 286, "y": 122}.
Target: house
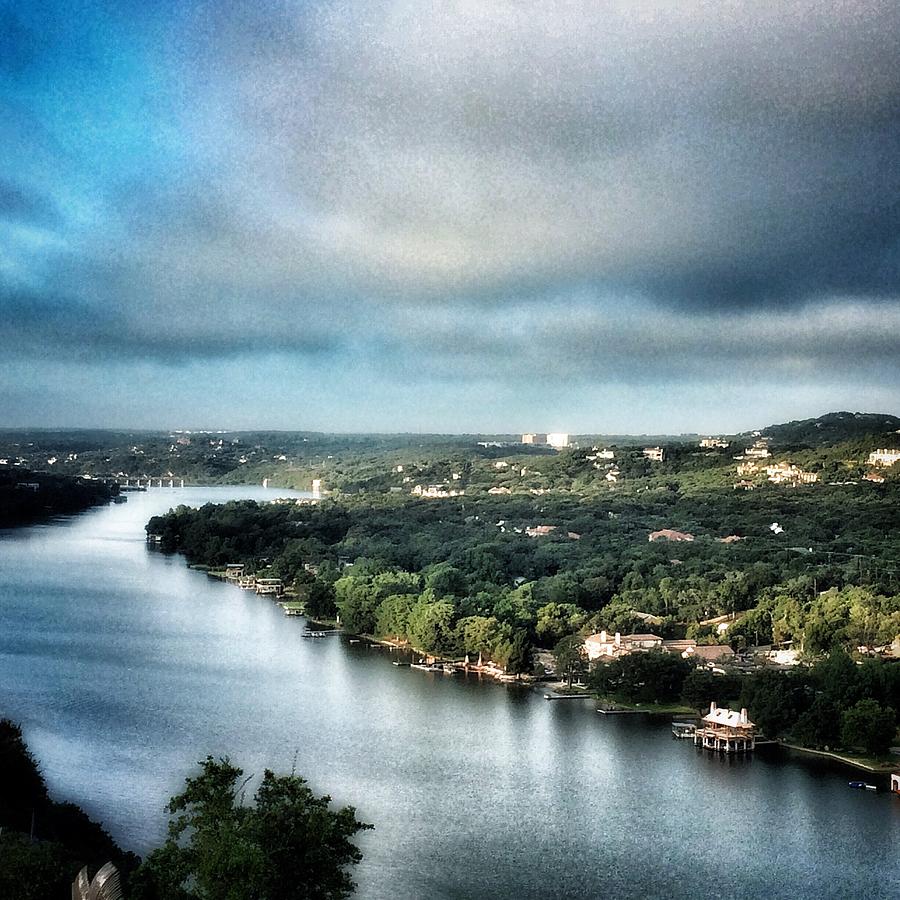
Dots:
{"x": 729, "y": 539}
{"x": 726, "y": 731}
{"x": 747, "y": 468}
{"x": 233, "y": 571}
{"x": 744, "y": 485}
{"x": 657, "y": 454}
{"x": 710, "y": 443}
{"x": 668, "y": 534}
{"x": 597, "y": 646}
{"x": 874, "y": 477}
{"x": 759, "y": 450}
{"x": 539, "y": 530}
{"x": 436, "y": 490}
{"x": 709, "y": 653}
{"x": 788, "y": 473}
{"x": 883, "y": 457}
{"x": 269, "y": 586}
{"x": 534, "y": 438}
{"x": 678, "y": 646}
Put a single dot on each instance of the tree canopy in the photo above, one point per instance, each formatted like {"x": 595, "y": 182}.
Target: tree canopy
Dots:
{"x": 288, "y": 844}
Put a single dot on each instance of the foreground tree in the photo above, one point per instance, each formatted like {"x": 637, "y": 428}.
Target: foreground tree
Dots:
{"x": 288, "y": 845}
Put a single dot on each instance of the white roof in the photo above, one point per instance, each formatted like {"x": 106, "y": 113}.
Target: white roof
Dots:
{"x": 728, "y": 717}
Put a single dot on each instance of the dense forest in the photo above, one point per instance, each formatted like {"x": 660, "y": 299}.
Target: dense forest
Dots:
{"x": 827, "y": 579}
{"x": 27, "y": 496}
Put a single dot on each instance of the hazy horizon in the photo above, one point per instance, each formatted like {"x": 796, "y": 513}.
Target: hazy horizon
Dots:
{"x": 354, "y": 217}
{"x": 218, "y": 429}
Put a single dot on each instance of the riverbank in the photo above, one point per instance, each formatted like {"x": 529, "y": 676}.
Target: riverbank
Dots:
{"x": 876, "y": 767}
{"x": 649, "y": 709}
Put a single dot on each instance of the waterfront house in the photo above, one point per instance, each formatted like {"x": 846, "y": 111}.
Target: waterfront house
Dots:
{"x": 895, "y": 782}
{"x": 601, "y": 645}
{"x": 726, "y": 731}
{"x": 269, "y": 586}
{"x": 233, "y": 571}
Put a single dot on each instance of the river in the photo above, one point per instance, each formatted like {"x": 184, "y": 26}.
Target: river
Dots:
{"x": 125, "y": 667}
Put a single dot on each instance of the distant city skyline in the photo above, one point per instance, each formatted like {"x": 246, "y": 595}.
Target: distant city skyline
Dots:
{"x": 493, "y": 218}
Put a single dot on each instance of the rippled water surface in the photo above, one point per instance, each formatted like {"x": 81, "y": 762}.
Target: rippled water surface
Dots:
{"x": 125, "y": 668}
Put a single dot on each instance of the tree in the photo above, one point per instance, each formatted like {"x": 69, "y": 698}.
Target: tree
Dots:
{"x": 571, "y": 658}
{"x": 431, "y": 625}
{"x": 701, "y": 687}
{"x": 289, "y": 845}
{"x": 869, "y": 725}
{"x": 652, "y": 677}
{"x": 518, "y": 660}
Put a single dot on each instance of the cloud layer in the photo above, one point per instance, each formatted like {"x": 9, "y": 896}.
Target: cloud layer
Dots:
{"x": 594, "y": 192}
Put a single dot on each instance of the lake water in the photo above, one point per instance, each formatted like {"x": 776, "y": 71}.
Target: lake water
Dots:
{"x": 125, "y": 667}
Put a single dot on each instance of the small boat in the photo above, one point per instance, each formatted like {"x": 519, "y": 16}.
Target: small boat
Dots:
{"x": 683, "y": 730}
{"x": 871, "y": 787}
{"x": 399, "y": 664}
{"x": 449, "y": 669}
{"x": 314, "y": 634}
{"x": 355, "y": 641}
{"x": 857, "y": 784}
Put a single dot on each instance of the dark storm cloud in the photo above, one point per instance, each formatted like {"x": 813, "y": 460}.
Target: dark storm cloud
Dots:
{"x": 616, "y": 189}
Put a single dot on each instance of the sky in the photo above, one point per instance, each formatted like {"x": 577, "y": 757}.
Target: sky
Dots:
{"x": 462, "y": 216}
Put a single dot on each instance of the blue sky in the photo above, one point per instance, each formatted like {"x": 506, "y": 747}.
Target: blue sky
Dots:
{"x": 455, "y": 217}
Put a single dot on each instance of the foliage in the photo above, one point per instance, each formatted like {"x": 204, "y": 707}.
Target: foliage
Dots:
{"x": 651, "y": 677}
{"x": 66, "y": 839}
{"x": 869, "y": 726}
{"x": 571, "y": 659}
{"x": 288, "y": 845}
{"x": 701, "y": 687}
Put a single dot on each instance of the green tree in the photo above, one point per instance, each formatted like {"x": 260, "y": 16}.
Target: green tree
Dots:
{"x": 571, "y": 657}
{"x": 652, "y": 677}
{"x": 870, "y": 726}
{"x": 701, "y": 687}
{"x": 288, "y": 845}
{"x": 518, "y": 660}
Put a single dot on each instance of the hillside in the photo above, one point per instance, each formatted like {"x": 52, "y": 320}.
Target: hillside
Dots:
{"x": 837, "y": 427}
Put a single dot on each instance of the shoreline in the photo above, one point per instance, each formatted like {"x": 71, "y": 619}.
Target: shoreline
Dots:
{"x": 559, "y": 691}
{"x": 885, "y": 768}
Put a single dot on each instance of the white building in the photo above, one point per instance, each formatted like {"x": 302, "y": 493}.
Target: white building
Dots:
{"x": 883, "y": 457}
{"x": 558, "y": 439}
{"x": 602, "y": 645}
{"x": 657, "y": 454}
{"x": 534, "y": 438}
